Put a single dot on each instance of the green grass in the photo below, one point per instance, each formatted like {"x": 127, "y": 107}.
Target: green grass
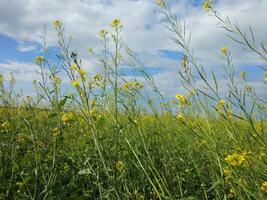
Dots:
{"x": 150, "y": 159}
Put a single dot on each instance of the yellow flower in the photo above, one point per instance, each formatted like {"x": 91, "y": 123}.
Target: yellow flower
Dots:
{"x": 93, "y": 102}
{"x": 39, "y": 59}
{"x": 172, "y": 101}
{"x": 70, "y": 94}
{"x": 206, "y": 5}
{"x": 248, "y": 88}
{"x": 57, "y": 23}
{"x": 75, "y": 83}
{"x": 131, "y": 85}
{"x": 235, "y": 159}
{"x": 264, "y": 187}
{"x": 19, "y": 184}
{"x": 66, "y": 117}
{"x": 1, "y": 78}
{"x": 180, "y": 97}
{"x": 55, "y": 132}
{"x": 184, "y": 62}
{"x": 115, "y": 23}
{"x": 102, "y": 33}
{"x": 265, "y": 76}
{"x": 119, "y": 165}
{"x": 98, "y": 77}
{"x": 138, "y": 195}
{"x": 220, "y": 104}
{"x": 182, "y": 100}
{"x": 232, "y": 191}
{"x": 81, "y": 72}
{"x": 180, "y": 116}
{"x": 243, "y": 75}
{"x": 161, "y": 3}
{"x": 227, "y": 171}
{"x": 90, "y": 50}
{"x": 224, "y": 50}
{"x": 57, "y": 80}
{"x": 74, "y": 66}
{"x": 92, "y": 112}
{"x": 5, "y": 126}
{"x": 21, "y": 138}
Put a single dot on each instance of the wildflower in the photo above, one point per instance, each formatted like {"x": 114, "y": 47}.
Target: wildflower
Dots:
{"x": 1, "y": 78}
{"x": 226, "y": 179}
{"x": 90, "y": 50}
{"x": 39, "y": 59}
{"x": 248, "y": 88}
{"x": 57, "y": 23}
{"x": 98, "y": 77}
{"x": 184, "y": 62}
{"x": 221, "y": 102}
{"x": 180, "y": 116}
{"x": 29, "y": 98}
{"x": 115, "y": 23}
{"x": 93, "y": 102}
{"x": 206, "y": 5}
{"x": 81, "y": 72}
{"x": 264, "y": 187}
{"x": 66, "y": 117}
{"x": 5, "y": 125}
{"x": 160, "y": 3}
{"x": 182, "y": 100}
{"x": 66, "y": 167}
{"x": 224, "y": 50}
{"x": 232, "y": 191}
{"x": 125, "y": 86}
{"x": 191, "y": 93}
{"x": 55, "y": 132}
{"x": 119, "y": 165}
{"x": 74, "y": 66}
{"x": 262, "y": 155}
{"x": 70, "y": 95}
{"x": 265, "y": 76}
{"x": 235, "y": 159}
{"x": 19, "y": 184}
{"x": 131, "y": 85}
{"x": 203, "y": 142}
{"x": 102, "y": 33}
{"x": 57, "y": 80}
{"x": 243, "y": 75}
{"x": 21, "y": 138}
{"x": 180, "y": 97}
{"x": 226, "y": 171}
{"x": 92, "y": 112}
{"x": 75, "y": 83}
{"x": 219, "y": 106}
{"x": 172, "y": 101}
{"x": 138, "y": 195}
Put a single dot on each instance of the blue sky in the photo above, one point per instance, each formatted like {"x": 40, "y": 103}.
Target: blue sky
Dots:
{"x": 21, "y": 23}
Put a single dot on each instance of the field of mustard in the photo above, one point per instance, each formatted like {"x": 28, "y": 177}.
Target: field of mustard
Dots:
{"x": 113, "y": 137}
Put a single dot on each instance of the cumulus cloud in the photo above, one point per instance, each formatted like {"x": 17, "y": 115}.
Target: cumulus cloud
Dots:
{"x": 144, "y": 29}
{"x": 24, "y": 71}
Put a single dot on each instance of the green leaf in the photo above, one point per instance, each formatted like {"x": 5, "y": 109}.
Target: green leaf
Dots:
{"x": 62, "y": 102}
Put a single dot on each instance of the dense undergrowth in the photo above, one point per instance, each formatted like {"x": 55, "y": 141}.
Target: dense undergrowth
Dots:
{"x": 111, "y": 140}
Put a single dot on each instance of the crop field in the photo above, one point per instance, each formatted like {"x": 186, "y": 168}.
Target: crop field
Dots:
{"x": 113, "y": 137}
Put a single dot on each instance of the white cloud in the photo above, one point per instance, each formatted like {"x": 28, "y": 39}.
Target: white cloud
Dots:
{"x": 24, "y": 71}
{"x": 143, "y": 29}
